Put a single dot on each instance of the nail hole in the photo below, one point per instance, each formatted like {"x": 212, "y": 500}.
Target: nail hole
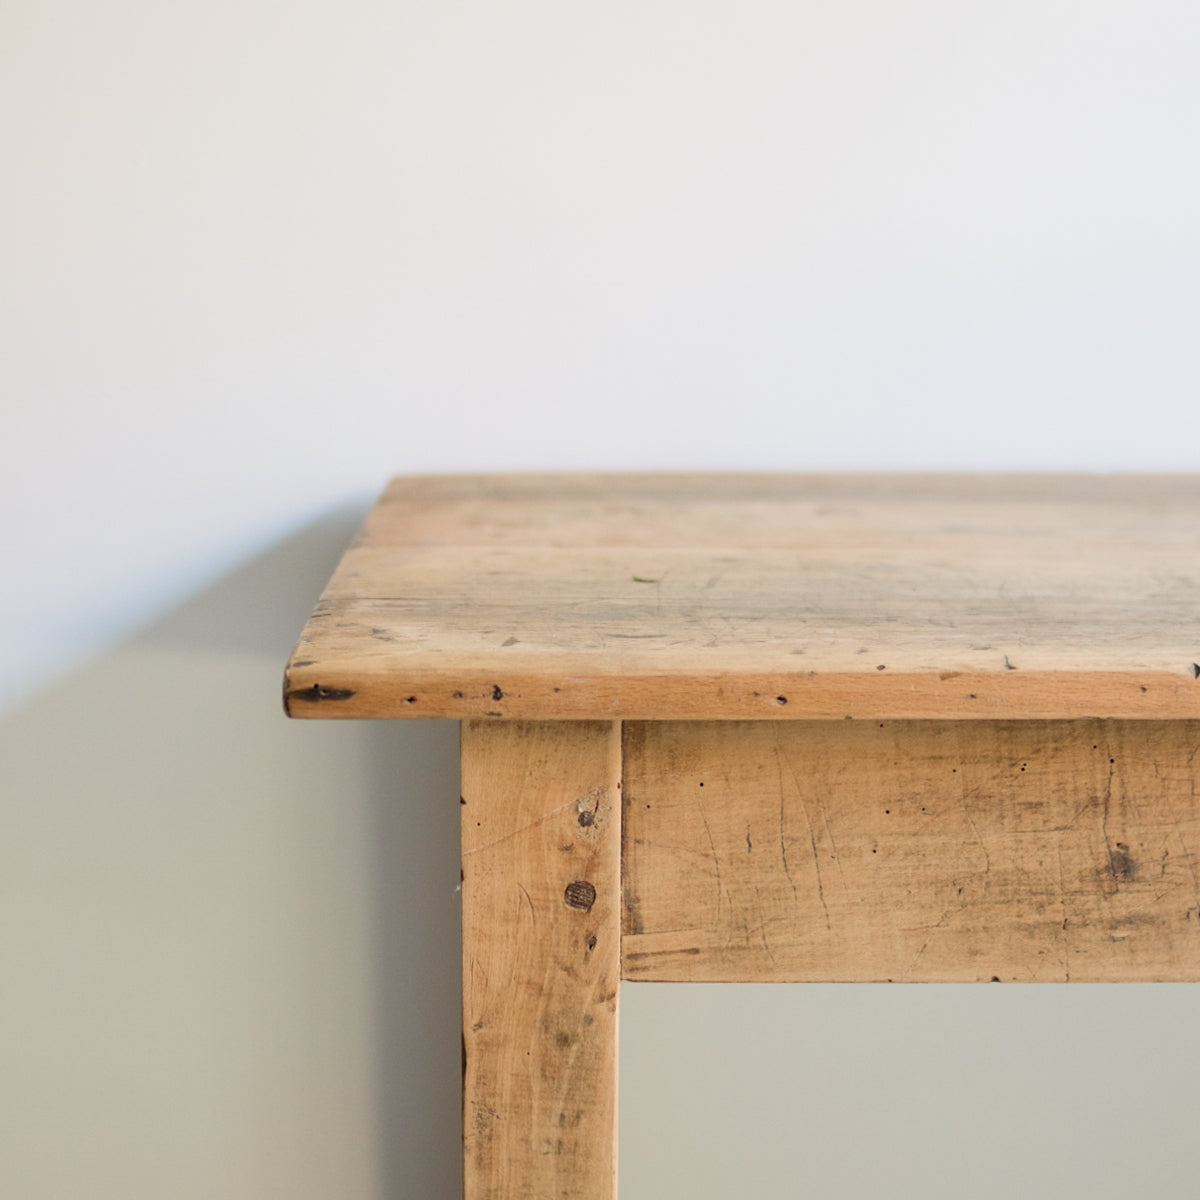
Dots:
{"x": 580, "y": 895}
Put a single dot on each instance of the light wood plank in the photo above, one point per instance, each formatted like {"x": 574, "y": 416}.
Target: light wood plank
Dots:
{"x": 922, "y": 851}
{"x": 763, "y": 597}
{"x": 541, "y": 956}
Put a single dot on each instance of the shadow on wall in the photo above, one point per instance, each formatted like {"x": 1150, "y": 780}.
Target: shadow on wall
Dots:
{"x": 230, "y": 941}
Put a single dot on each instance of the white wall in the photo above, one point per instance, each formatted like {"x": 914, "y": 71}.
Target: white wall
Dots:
{"x": 259, "y": 256}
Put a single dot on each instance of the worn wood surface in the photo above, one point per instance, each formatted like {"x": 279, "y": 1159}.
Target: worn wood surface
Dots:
{"x": 765, "y": 597}
{"x": 936, "y": 851}
{"x": 541, "y": 958}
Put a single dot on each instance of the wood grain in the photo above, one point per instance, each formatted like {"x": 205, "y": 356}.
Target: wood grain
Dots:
{"x": 541, "y": 957}
{"x": 763, "y": 597}
{"x": 922, "y": 851}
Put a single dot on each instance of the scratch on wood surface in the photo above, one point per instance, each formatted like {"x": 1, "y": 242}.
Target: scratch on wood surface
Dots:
{"x": 762, "y": 925}
{"x": 987, "y": 858}
{"x": 662, "y": 953}
{"x": 782, "y": 842}
{"x": 837, "y": 858}
{"x": 938, "y": 924}
{"x": 633, "y": 906}
{"x": 477, "y": 970}
{"x": 716, "y": 858}
{"x": 1187, "y": 854}
{"x": 529, "y": 901}
{"x": 812, "y": 840}
{"x": 1062, "y": 900}
{"x": 1110, "y": 873}
{"x": 522, "y": 829}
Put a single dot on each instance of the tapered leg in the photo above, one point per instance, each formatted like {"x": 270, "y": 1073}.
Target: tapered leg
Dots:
{"x": 541, "y": 845}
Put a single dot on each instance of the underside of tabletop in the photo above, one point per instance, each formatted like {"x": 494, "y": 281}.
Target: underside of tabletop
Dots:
{"x": 701, "y": 597}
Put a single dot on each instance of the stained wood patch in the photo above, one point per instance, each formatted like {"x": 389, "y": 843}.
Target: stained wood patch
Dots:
{"x": 541, "y": 954}
{"x": 934, "y": 851}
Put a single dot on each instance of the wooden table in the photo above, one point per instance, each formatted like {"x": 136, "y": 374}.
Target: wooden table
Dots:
{"x": 761, "y": 727}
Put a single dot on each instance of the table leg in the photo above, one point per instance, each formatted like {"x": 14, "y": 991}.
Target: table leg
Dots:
{"x": 541, "y": 845}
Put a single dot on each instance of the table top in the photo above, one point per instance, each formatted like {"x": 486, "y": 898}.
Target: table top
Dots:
{"x": 763, "y": 596}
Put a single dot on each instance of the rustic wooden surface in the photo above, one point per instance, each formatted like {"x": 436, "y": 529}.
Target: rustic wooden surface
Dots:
{"x": 934, "y": 851}
{"x": 763, "y": 597}
{"x": 541, "y": 957}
